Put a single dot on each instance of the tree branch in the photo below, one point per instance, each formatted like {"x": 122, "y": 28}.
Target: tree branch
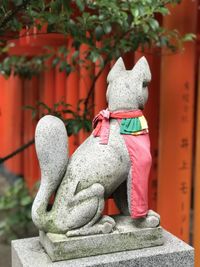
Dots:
{"x": 17, "y": 151}
{"x": 12, "y": 13}
{"x": 92, "y": 87}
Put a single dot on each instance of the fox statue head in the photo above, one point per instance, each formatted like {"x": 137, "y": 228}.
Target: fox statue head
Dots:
{"x": 127, "y": 89}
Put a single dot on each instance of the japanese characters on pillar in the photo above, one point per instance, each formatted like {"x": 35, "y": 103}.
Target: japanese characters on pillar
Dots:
{"x": 176, "y": 127}
{"x": 196, "y": 222}
{"x": 185, "y": 147}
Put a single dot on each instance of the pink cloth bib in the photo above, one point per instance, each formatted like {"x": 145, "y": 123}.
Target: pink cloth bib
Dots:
{"x": 140, "y": 157}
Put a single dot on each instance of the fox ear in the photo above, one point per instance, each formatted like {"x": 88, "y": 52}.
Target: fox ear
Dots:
{"x": 116, "y": 69}
{"x": 142, "y": 68}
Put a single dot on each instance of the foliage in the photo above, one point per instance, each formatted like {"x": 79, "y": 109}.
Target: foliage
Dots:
{"x": 74, "y": 120}
{"x": 109, "y": 28}
{"x": 22, "y": 66}
{"x": 106, "y": 29}
{"x": 15, "y": 209}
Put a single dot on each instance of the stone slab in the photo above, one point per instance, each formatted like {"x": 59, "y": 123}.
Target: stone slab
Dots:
{"x": 125, "y": 237}
{"x": 29, "y": 253}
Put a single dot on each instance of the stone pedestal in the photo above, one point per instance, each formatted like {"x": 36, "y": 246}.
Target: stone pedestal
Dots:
{"x": 125, "y": 237}
{"x": 29, "y": 253}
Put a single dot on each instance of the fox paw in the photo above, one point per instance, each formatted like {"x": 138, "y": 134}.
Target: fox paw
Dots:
{"x": 152, "y": 220}
{"x": 104, "y": 226}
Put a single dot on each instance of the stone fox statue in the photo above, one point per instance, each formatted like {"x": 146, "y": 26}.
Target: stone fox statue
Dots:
{"x": 114, "y": 159}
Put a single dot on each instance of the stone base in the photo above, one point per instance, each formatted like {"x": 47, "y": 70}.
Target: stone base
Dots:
{"x": 125, "y": 237}
{"x": 29, "y": 253}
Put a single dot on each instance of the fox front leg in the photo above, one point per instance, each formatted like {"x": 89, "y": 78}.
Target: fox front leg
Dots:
{"x": 120, "y": 198}
{"x": 148, "y": 220}
{"x": 86, "y": 210}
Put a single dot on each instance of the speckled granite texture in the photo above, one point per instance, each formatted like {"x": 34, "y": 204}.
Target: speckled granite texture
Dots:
{"x": 95, "y": 171}
{"x": 174, "y": 253}
{"x": 126, "y": 236}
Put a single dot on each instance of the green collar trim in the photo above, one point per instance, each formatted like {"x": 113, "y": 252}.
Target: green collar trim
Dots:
{"x": 133, "y": 125}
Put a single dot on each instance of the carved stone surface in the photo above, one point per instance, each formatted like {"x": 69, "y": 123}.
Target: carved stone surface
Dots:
{"x": 125, "y": 87}
{"x": 29, "y": 253}
{"x": 125, "y": 237}
{"x": 94, "y": 171}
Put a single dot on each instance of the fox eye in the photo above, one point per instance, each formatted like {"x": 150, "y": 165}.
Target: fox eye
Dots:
{"x": 145, "y": 84}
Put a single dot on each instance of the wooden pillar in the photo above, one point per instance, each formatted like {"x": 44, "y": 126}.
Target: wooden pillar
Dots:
{"x": 100, "y": 90}
{"x": 196, "y": 230}
{"x": 59, "y": 89}
{"x": 12, "y": 116}
{"x": 47, "y": 89}
{"x": 2, "y": 103}
{"x": 72, "y": 95}
{"x": 30, "y": 162}
{"x": 85, "y": 82}
{"x": 176, "y": 126}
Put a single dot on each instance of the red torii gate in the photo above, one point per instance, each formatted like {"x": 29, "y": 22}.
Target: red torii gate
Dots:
{"x": 17, "y": 127}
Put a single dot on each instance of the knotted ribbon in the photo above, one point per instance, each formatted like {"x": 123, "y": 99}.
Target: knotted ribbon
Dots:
{"x": 101, "y": 124}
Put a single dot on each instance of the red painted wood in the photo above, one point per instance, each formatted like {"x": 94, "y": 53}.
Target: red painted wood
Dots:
{"x": 129, "y": 60}
{"x": 101, "y": 103}
{"x": 30, "y": 163}
{"x": 59, "y": 88}
{"x": 47, "y": 89}
{"x": 2, "y": 119}
{"x": 196, "y": 232}
{"x": 196, "y": 184}
{"x": 100, "y": 89}
{"x": 112, "y": 208}
{"x": 176, "y": 126}
{"x": 32, "y": 42}
{"x": 72, "y": 97}
{"x": 12, "y": 114}
{"x": 85, "y": 82}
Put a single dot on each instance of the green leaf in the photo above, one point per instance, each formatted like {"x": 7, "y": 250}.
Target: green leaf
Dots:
{"x": 75, "y": 56}
{"x": 188, "y": 37}
{"x": 135, "y": 13}
{"x": 153, "y": 24}
{"x": 64, "y": 66}
{"x": 77, "y": 127}
{"x": 55, "y": 61}
{"x": 43, "y": 105}
{"x": 107, "y": 27}
{"x": 18, "y": 2}
{"x": 80, "y": 4}
{"x": 98, "y": 32}
{"x": 27, "y": 200}
{"x": 68, "y": 111}
{"x": 16, "y": 206}
{"x": 145, "y": 27}
{"x": 94, "y": 56}
{"x": 87, "y": 125}
{"x": 163, "y": 10}
{"x": 28, "y": 107}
